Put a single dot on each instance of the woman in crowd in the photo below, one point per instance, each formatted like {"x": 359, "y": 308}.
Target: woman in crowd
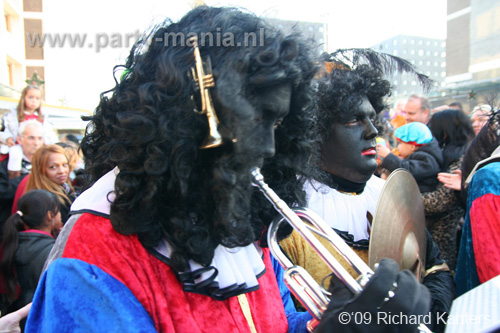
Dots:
{"x": 26, "y": 245}
{"x": 50, "y": 171}
{"x": 443, "y": 210}
{"x": 479, "y": 116}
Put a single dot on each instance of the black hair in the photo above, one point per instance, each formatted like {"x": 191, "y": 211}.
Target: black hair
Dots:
{"x": 457, "y": 104}
{"x": 342, "y": 91}
{"x": 32, "y": 208}
{"x": 483, "y": 145}
{"x": 453, "y": 131}
{"x": 168, "y": 187}
{"x": 72, "y": 138}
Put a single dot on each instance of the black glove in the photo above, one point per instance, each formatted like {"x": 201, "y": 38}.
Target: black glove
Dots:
{"x": 390, "y": 302}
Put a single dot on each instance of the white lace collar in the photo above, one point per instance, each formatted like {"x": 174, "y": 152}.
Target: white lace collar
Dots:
{"x": 233, "y": 270}
{"x": 345, "y": 212}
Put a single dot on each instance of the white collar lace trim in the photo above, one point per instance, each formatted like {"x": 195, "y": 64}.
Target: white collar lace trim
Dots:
{"x": 232, "y": 271}
{"x": 342, "y": 211}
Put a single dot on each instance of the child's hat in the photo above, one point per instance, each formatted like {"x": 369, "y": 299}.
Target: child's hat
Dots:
{"x": 416, "y": 133}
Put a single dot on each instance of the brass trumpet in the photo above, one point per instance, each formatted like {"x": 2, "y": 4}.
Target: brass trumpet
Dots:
{"x": 202, "y": 74}
{"x": 311, "y": 295}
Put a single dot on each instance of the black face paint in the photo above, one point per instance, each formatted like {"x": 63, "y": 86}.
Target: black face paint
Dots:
{"x": 349, "y": 149}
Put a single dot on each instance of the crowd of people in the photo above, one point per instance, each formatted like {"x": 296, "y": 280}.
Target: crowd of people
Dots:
{"x": 151, "y": 222}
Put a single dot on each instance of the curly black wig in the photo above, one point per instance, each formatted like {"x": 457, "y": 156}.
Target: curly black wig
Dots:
{"x": 343, "y": 90}
{"x": 167, "y": 186}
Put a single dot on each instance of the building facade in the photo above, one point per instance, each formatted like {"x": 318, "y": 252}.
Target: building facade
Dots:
{"x": 428, "y": 55}
{"x": 473, "y": 52}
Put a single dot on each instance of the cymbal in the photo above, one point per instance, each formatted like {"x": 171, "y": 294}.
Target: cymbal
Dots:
{"x": 398, "y": 228}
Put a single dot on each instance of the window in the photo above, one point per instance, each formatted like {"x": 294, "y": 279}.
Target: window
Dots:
{"x": 395, "y": 52}
{"x": 7, "y": 22}
{"x": 395, "y": 42}
{"x": 10, "y": 69}
{"x": 443, "y": 54}
{"x": 443, "y": 64}
{"x": 421, "y": 52}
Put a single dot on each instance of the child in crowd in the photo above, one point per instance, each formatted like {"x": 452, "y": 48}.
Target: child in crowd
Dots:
{"x": 28, "y": 108}
{"x": 419, "y": 153}
{"x": 28, "y": 239}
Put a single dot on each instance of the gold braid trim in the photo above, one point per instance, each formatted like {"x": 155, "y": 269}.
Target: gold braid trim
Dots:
{"x": 437, "y": 268}
{"x": 245, "y": 307}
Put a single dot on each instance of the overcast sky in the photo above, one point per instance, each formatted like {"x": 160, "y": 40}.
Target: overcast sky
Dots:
{"x": 78, "y": 75}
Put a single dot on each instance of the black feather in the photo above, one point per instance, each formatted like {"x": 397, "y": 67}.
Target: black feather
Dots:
{"x": 383, "y": 62}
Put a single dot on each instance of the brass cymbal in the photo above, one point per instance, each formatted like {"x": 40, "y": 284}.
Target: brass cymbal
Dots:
{"x": 398, "y": 228}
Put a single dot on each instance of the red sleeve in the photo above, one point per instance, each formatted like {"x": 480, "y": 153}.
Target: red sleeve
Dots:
{"x": 485, "y": 225}
{"x": 19, "y": 193}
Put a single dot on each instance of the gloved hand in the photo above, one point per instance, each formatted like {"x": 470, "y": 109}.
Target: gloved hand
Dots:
{"x": 390, "y": 302}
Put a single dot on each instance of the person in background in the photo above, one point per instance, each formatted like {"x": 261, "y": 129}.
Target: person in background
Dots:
{"x": 479, "y": 116}
{"x": 30, "y": 138}
{"x": 419, "y": 153}
{"x": 444, "y": 211}
{"x": 456, "y": 105}
{"x": 28, "y": 108}
{"x": 71, "y": 139}
{"x": 28, "y": 241}
{"x": 478, "y": 257}
{"x": 417, "y": 109}
{"x": 50, "y": 171}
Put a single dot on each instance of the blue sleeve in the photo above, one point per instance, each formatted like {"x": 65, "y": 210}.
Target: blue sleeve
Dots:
{"x": 74, "y": 296}
{"x": 297, "y": 321}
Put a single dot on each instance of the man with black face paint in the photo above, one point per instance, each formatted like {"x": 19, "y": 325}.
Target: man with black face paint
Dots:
{"x": 345, "y": 192}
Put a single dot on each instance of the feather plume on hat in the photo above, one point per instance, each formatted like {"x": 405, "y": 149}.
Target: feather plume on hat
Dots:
{"x": 347, "y": 59}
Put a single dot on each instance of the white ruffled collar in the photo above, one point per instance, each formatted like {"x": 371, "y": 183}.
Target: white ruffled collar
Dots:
{"x": 232, "y": 271}
{"x": 345, "y": 212}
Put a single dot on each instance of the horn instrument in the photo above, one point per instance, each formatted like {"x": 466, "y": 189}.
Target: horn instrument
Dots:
{"x": 309, "y": 293}
{"x": 202, "y": 74}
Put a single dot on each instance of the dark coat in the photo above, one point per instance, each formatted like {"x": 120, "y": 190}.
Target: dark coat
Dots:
{"x": 424, "y": 165}
{"x": 8, "y": 189}
{"x": 32, "y": 251}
